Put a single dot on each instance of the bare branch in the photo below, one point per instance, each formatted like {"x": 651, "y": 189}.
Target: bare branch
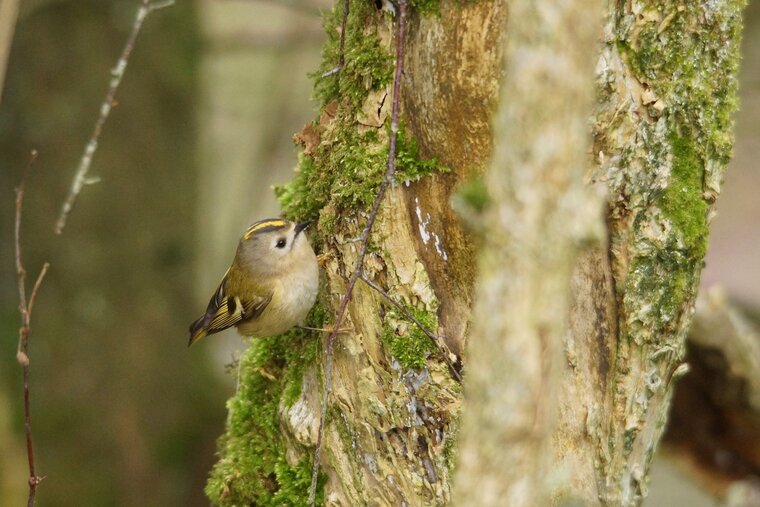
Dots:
{"x": 81, "y": 178}
{"x": 387, "y": 180}
{"x": 36, "y": 288}
{"x": 117, "y": 73}
{"x": 25, "y": 309}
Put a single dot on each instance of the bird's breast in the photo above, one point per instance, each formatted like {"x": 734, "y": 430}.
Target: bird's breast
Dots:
{"x": 293, "y": 296}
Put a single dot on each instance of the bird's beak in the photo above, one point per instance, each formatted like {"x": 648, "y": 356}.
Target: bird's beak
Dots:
{"x": 300, "y": 227}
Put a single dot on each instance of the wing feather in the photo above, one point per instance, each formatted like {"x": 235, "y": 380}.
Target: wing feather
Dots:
{"x": 225, "y": 310}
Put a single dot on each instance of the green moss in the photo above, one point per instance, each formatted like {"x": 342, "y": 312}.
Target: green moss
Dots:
{"x": 410, "y": 347}
{"x": 347, "y": 161}
{"x": 367, "y": 65}
{"x": 673, "y": 59}
{"x": 450, "y": 447}
{"x": 252, "y": 468}
{"x": 661, "y": 282}
{"x": 682, "y": 200}
{"x": 295, "y": 482}
{"x": 686, "y": 56}
{"x": 302, "y": 353}
{"x": 410, "y": 165}
{"x": 306, "y": 194}
{"x": 345, "y": 172}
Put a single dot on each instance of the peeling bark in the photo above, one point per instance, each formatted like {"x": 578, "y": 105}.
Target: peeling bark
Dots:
{"x": 667, "y": 88}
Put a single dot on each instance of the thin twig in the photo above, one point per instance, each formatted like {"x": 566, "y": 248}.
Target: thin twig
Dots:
{"x": 343, "y": 26}
{"x": 436, "y": 339}
{"x": 341, "y": 52}
{"x": 25, "y": 309}
{"x": 117, "y": 73}
{"x": 387, "y": 180}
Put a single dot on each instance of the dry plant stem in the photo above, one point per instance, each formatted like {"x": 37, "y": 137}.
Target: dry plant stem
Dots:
{"x": 25, "y": 307}
{"x": 117, "y": 73}
{"x": 433, "y": 337}
{"x": 387, "y": 180}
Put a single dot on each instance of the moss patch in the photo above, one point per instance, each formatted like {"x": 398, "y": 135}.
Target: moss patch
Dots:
{"x": 663, "y": 282}
{"x": 407, "y": 343}
{"x": 671, "y": 53}
{"x": 345, "y": 150}
{"x": 682, "y": 200}
{"x": 368, "y": 65}
{"x": 345, "y": 170}
{"x": 252, "y": 469}
{"x": 685, "y": 57}
{"x": 427, "y": 7}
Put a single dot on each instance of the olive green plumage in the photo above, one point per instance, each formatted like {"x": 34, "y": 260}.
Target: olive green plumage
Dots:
{"x": 270, "y": 286}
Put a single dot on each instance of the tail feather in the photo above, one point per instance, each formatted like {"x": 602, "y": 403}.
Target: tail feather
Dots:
{"x": 198, "y": 329}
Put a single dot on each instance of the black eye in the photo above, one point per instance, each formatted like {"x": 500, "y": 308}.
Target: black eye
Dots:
{"x": 281, "y": 243}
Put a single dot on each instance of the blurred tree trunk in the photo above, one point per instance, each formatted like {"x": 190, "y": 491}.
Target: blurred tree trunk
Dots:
{"x": 8, "y": 15}
{"x": 539, "y": 214}
{"x": 582, "y": 353}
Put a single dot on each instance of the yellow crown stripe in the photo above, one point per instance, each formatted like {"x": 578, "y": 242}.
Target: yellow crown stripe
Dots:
{"x": 263, "y": 224}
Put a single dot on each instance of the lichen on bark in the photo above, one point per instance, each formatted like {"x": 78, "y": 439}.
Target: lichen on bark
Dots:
{"x": 667, "y": 81}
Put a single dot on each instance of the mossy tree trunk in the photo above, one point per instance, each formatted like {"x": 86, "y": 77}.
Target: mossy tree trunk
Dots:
{"x": 393, "y": 408}
{"x": 666, "y": 82}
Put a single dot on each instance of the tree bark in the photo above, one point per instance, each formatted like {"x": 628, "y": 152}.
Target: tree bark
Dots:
{"x": 583, "y": 351}
{"x": 667, "y": 81}
{"x": 540, "y": 212}
{"x": 392, "y": 412}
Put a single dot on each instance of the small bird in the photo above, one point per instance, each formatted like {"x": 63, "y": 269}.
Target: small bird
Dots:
{"x": 270, "y": 287}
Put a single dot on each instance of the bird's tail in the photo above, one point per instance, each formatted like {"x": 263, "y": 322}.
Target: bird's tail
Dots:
{"x": 198, "y": 330}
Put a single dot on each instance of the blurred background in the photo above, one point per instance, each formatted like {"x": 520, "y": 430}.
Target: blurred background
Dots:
{"x": 123, "y": 413}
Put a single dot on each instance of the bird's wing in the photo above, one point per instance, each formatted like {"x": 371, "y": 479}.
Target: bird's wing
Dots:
{"x": 225, "y": 310}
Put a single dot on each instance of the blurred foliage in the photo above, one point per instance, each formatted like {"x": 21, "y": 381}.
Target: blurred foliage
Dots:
{"x": 123, "y": 413}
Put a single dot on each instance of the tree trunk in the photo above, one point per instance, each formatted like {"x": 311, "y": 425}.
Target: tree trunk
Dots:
{"x": 539, "y": 213}
{"x": 596, "y": 402}
{"x": 391, "y": 424}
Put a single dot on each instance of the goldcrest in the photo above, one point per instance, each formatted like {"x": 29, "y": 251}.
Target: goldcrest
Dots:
{"x": 270, "y": 287}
